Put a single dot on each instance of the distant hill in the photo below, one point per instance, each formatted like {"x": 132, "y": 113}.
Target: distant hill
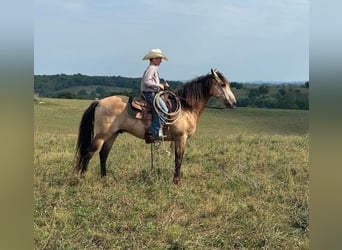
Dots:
{"x": 87, "y": 87}
{"x": 277, "y": 82}
{"x": 275, "y": 94}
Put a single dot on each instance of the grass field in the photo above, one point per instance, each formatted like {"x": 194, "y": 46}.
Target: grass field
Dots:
{"x": 245, "y": 185}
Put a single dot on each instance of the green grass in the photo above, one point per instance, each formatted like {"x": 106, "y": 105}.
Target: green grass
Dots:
{"x": 245, "y": 185}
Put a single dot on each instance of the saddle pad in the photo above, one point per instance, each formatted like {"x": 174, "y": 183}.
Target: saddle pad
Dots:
{"x": 135, "y": 107}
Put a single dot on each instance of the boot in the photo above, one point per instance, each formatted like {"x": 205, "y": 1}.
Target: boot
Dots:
{"x": 149, "y": 138}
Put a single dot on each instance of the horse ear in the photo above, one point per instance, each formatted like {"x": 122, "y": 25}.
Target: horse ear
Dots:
{"x": 213, "y": 72}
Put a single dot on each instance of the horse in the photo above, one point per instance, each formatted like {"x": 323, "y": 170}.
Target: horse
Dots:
{"x": 106, "y": 118}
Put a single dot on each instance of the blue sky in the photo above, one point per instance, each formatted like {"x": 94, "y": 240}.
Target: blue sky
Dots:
{"x": 246, "y": 40}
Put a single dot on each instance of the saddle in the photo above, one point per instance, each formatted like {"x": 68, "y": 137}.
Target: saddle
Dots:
{"x": 139, "y": 108}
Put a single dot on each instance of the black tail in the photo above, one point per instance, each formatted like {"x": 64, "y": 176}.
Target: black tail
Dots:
{"x": 85, "y": 137}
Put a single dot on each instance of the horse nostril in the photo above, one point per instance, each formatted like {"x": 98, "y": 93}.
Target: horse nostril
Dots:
{"x": 232, "y": 106}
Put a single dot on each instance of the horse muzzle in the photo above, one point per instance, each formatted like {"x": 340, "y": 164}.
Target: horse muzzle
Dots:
{"x": 230, "y": 105}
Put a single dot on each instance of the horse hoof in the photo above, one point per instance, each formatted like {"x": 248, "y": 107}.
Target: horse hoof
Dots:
{"x": 177, "y": 181}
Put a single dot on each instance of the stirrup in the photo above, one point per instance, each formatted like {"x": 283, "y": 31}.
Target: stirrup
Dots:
{"x": 161, "y": 133}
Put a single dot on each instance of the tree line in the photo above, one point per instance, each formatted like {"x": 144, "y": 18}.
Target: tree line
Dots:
{"x": 78, "y": 86}
{"x": 286, "y": 97}
{"x": 51, "y": 85}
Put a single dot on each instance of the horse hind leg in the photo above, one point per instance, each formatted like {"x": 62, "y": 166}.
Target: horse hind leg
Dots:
{"x": 91, "y": 150}
{"x": 105, "y": 152}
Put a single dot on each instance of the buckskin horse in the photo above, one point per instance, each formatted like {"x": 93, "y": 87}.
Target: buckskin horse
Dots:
{"x": 106, "y": 118}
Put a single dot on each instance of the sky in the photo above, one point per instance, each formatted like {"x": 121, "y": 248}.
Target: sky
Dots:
{"x": 249, "y": 40}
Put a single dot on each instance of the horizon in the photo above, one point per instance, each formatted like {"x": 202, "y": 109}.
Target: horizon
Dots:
{"x": 247, "y": 81}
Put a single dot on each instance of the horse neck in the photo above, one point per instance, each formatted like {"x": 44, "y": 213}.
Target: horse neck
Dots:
{"x": 196, "y": 107}
{"x": 199, "y": 107}
{"x": 195, "y": 95}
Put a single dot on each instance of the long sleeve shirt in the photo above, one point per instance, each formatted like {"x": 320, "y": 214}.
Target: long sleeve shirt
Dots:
{"x": 150, "y": 80}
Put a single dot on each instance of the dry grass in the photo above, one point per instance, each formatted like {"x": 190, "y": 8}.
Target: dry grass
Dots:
{"x": 241, "y": 190}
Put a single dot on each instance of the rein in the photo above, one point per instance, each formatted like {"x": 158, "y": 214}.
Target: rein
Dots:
{"x": 209, "y": 107}
{"x": 172, "y": 117}
{"x": 214, "y": 107}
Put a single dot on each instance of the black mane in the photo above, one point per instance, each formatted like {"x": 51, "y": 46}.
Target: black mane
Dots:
{"x": 195, "y": 91}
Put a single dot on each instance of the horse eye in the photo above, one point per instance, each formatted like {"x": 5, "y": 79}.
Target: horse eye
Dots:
{"x": 223, "y": 85}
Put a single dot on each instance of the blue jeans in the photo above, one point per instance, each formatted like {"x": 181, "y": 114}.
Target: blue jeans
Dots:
{"x": 157, "y": 122}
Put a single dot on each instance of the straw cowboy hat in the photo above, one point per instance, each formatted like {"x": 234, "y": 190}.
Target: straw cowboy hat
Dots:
{"x": 155, "y": 53}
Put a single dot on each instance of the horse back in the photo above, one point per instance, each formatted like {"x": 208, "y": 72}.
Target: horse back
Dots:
{"x": 109, "y": 109}
{"x": 113, "y": 104}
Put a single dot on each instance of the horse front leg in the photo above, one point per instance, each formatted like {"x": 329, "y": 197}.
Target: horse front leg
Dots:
{"x": 179, "y": 153}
